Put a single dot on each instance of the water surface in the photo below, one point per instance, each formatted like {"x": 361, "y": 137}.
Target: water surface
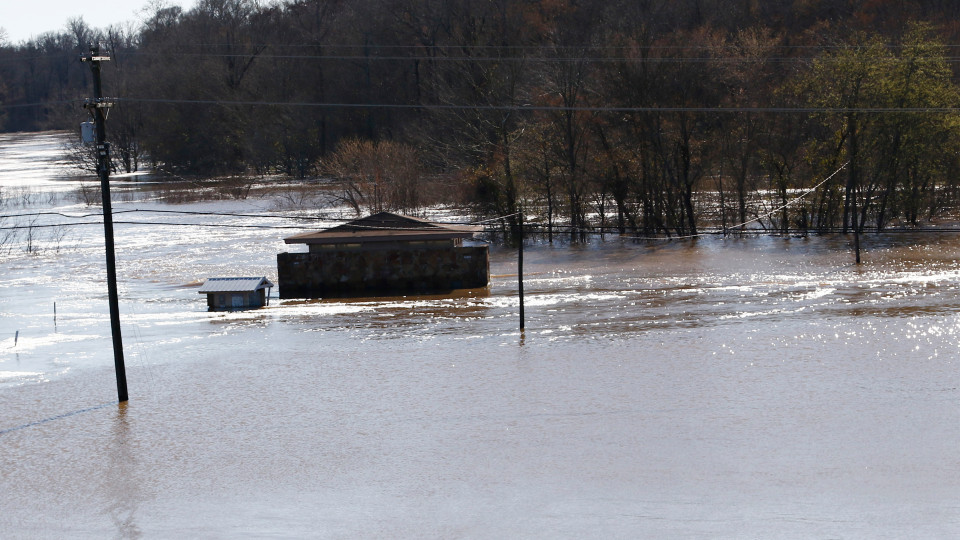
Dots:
{"x": 712, "y": 388}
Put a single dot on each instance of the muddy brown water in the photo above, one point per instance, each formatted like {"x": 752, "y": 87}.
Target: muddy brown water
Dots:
{"x": 715, "y": 388}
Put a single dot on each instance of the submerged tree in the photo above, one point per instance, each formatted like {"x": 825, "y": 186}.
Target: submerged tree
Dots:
{"x": 654, "y": 117}
{"x": 887, "y": 110}
{"x": 377, "y": 176}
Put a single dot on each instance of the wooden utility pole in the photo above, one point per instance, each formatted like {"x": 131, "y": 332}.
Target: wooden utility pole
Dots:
{"x": 98, "y": 107}
{"x": 855, "y": 184}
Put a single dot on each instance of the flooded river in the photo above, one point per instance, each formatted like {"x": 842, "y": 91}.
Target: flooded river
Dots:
{"x": 710, "y": 388}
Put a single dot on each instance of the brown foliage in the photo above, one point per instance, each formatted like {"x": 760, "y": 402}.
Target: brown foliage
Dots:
{"x": 377, "y": 176}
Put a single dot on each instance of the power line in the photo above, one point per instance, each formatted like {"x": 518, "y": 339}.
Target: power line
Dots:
{"x": 549, "y": 108}
{"x": 546, "y": 59}
{"x": 18, "y": 56}
{"x": 533, "y": 227}
{"x": 198, "y": 213}
{"x": 214, "y": 225}
{"x": 162, "y": 223}
{"x": 539, "y": 228}
{"x": 124, "y": 50}
{"x": 201, "y": 213}
{"x": 48, "y": 225}
{"x": 38, "y": 214}
{"x": 521, "y": 107}
{"x": 514, "y": 108}
{"x": 793, "y": 201}
{"x": 229, "y": 214}
{"x": 548, "y": 46}
{"x": 726, "y": 59}
{"x": 39, "y": 104}
{"x": 517, "y": 108}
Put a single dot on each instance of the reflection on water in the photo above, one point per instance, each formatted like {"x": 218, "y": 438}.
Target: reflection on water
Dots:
{"x": 723, "y": 387}
{"x": 121, "y": 485}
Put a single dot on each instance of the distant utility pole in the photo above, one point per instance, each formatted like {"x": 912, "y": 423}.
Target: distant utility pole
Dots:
{"x": 520, "y": 269}
{"x": 98, "y": 108}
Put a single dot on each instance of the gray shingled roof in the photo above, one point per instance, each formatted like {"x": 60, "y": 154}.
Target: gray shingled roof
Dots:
{"x": 234, "y": 284}
{"x": 385, "y": 227}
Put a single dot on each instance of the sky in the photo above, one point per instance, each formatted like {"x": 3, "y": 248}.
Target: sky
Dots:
{"x": 24, "y": 19}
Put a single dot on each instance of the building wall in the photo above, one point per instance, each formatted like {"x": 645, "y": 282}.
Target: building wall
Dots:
{"x": 345, "y": 273}
{"x": 224, "y": 300}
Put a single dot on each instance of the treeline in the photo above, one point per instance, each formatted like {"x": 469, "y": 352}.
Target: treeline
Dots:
{"x": 644, "y": 117}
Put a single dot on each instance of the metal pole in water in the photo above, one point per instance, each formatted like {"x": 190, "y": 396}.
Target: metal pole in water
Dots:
{"x": 98, "y": 107}
{"x": 856, "y": 243}
{"x": 520, "y": 269}
{"x": 16, "y": 338}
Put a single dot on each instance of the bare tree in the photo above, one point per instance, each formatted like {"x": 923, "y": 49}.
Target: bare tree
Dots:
{"x": 377, "y": 176}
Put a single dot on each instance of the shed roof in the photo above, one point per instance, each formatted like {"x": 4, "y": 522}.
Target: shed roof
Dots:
{"x": 385, "y": 227}
{"x": 234, "y": 284}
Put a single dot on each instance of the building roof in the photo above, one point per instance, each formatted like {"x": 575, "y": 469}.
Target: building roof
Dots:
{"x": 234, "y": 284}
{"x": 385, "y": 227}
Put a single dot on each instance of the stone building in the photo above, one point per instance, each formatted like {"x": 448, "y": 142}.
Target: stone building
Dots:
{"x": 381, "y": 255}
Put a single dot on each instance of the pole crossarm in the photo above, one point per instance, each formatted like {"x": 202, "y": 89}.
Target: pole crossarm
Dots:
{"x": 103, "y": 103}
{"x": 94, "y": 55}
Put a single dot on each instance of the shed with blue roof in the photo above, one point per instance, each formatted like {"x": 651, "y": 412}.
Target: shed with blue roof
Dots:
{"x": 236, "y": 292}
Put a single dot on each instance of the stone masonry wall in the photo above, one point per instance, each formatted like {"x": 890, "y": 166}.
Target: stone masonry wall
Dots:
{"x": 345, "y": 273}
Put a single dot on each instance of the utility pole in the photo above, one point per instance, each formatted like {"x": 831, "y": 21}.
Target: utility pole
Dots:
{"x": 98, "y": 108}
{"x": 520, "y": 268}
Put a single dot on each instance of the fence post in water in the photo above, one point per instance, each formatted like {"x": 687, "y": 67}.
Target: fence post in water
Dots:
{"x": 520, "y": 267}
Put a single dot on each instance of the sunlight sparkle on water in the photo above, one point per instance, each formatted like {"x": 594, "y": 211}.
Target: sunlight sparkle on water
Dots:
{"x": 761, "y": 388}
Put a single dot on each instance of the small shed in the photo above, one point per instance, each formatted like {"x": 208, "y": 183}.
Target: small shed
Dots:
{"x": 236, "y": 292}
